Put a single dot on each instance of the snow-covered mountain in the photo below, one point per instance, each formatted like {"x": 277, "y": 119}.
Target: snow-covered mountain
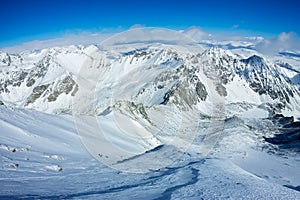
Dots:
{"x": 204, "y": 116}
{"x": 49, "y": 79}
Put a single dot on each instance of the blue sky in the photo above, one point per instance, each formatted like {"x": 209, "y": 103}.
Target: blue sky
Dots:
{"x": 26, "y": 20}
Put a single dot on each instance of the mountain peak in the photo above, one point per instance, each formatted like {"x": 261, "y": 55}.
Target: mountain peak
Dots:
{"x": 254, "y": 59}
{"x": 218, "y": 52}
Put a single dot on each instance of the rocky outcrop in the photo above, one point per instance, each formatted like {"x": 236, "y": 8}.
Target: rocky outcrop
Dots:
{"x": 289, "y": 133}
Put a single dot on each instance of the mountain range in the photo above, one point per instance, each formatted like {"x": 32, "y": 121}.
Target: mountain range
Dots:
{"x": 160, "y": 109}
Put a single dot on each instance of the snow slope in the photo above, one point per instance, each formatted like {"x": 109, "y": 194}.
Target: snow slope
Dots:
{"x": 42, "y": 160}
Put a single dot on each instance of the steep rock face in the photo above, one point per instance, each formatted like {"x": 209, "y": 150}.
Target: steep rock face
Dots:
{"x": 29, "y": 83}
{"x": 185, "y": 86}
{"x": 175, "y": 80}
{"x": 287, "y": 134}
{"x": 264, "y": 78}
{"x": 10, "y": 59}
{"x": 50, "y": 92}
{"x": 218, "y": 64}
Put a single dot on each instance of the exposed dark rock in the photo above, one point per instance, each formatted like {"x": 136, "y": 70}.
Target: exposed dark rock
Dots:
{"x": 281, "y": 119}
{"x": 292, "y": 125}
{"x": 140, "y": 54}
{"x": 168, "y": 94}
{"x": 201, "y": 91}
{"x": 254, "y": 60}
{"x": 139, "y": 109}
{"x": 293, "y": 187}
{"x": 284, "y": 138}
{"x": 221, "y": 90}
{"x": 14, "y": 165}
{"x": 75, "y": 90}
{"x": 160, "y": 87}
{"x": 106, "y": 111}
{"x": 13, "y": 78}
{"x": 289, "y": 133}
{"x": 65, "y": 86}
{"x": 38, "y": 71}
{"x": 36, "y": 93}
{"x": 30, "y": 82}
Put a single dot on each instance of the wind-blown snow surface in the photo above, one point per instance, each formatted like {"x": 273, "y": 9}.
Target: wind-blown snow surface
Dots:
{"x": 195, "y": 122}
{"x": 42, "y": 158}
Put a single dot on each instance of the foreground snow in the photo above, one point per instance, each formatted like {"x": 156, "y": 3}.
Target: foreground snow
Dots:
{"x": 42, "y": 157}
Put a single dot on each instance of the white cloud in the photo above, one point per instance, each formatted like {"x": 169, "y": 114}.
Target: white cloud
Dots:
{"x": 82, "y": 38}
{"x": 225, "y": 40}
{"x": 136, "y": 33}
{"x": 196, "y": 33}
{"x": 283, "y": 42}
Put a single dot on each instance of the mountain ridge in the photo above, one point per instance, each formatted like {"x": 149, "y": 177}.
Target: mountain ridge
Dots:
{"x": 48, "y": 80}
